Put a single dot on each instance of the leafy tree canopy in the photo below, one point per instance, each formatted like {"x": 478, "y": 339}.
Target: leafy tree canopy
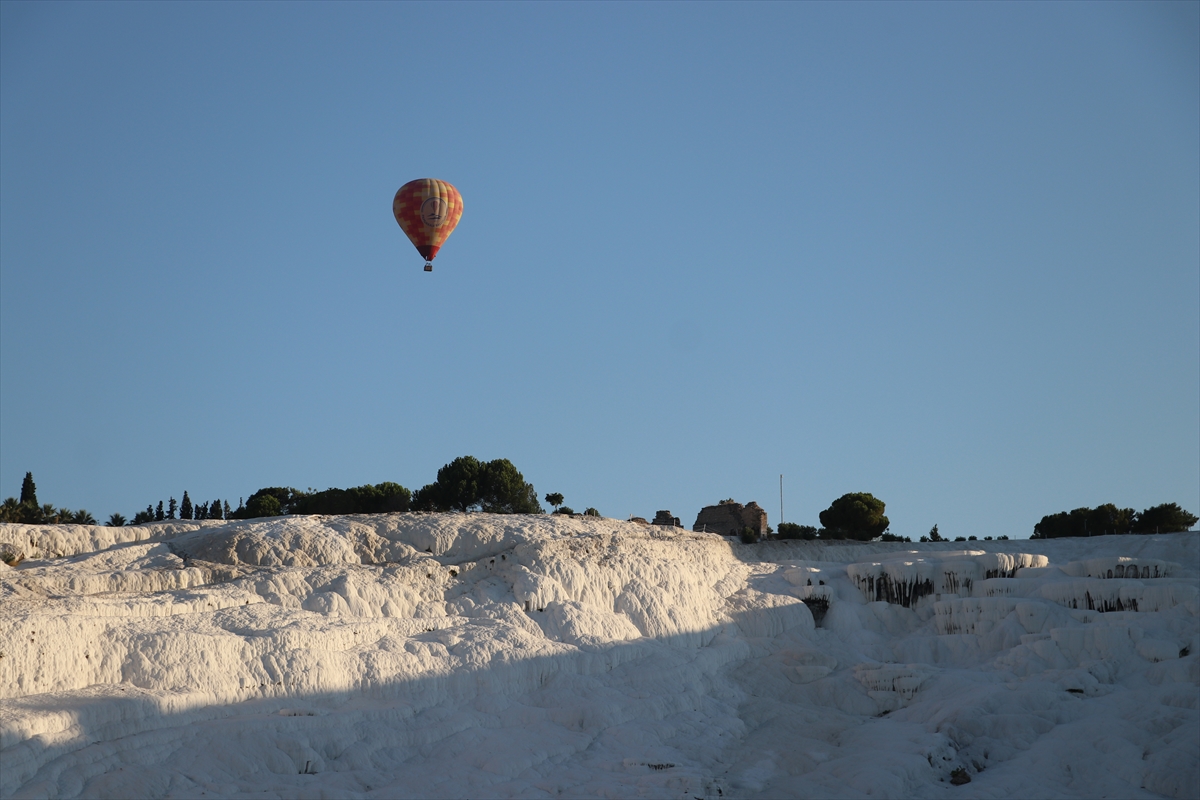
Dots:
{"x": 1108, "y": 519}
{"x": 1166, "y": 518}
{"x": 505, "y": 490}
{"x": 858, "y": 515}
{"x": 467, "y": 483}
{"x": 263, "y": 505}
{"x": 381, "y": 498}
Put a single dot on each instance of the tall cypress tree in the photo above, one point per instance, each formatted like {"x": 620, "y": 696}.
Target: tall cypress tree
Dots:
{"x": 159, "y": 516}
{"x": 227, "y": 509}
{"x": 185, "y": 510}
{"x": 172, "y": 508}
{"x": 28, "y": 490}
{"x": 214, "y": 510}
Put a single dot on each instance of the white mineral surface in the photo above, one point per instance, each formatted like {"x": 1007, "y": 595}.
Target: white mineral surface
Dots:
{"x": 472, "y": 655}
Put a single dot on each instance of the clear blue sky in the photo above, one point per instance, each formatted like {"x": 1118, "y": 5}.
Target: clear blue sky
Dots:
{"x": 945, "y": 253}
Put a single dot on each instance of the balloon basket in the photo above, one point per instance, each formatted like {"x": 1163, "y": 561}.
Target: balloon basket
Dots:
{"x": 428, "y": 267}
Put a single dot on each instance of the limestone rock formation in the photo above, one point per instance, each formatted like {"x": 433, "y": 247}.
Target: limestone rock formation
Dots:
{"x": 730, "y": 519}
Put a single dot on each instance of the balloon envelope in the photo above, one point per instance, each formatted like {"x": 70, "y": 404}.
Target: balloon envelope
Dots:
{"x": 427, "y": 210}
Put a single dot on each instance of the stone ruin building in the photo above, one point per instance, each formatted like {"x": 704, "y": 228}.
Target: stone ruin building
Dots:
{"x": 664, "y": 518}
{"x": 730, "y": 519}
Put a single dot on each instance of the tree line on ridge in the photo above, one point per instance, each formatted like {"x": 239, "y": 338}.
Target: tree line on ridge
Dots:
{"x": 498, "y": 487}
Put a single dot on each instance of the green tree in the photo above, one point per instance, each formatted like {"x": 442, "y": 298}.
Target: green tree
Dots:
{"x": 1083, "y": 521}
{"x": 934, "y": 536}
{"x": 591, "y": 512}
{"x": 1165, "y": 518}
{"x": 286, "y": 496}
{"x": 171, "y": 509}
{"x": 426, "y": 498}
{"x": 116, "y": 520}
{"x": 28, "y": 489}
{"x": 10, "y": 510}
{"x": 466, "y": 483}
{"x": 858, "y": 515}
{"x": 159, "y": 516}
{"x": 504, "y": 490}
{"x": 380, "y": 498}
{"x": 460, "y": 483}
{"x": 82, "y": 517}
{"x": 791, "y": 530}
{"x": 263, "y": 505}
{"x": 186, "y": 511}
{"x": 555, "y": 499}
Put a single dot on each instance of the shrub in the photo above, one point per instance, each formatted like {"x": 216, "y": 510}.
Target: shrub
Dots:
{"x": 790, "y": 530}
{"x": 591, "y": 512}
{"x": 749, "y": 535}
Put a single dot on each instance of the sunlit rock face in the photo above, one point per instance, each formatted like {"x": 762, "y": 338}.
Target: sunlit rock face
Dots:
{"x": 474, "y": 655}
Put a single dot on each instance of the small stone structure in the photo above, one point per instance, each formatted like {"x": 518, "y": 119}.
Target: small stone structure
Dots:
{"x": 730, "y": 519}
{"x": 664, "y": 518}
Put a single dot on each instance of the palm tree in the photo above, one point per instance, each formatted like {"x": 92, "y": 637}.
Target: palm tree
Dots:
{"x": 10, "y": 510}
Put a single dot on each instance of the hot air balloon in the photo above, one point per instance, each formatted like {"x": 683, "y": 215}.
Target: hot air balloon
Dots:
{"x": 427, "y": 210}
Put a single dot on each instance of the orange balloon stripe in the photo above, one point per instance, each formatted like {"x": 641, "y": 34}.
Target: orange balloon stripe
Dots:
{"x": 427, "y": 210}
